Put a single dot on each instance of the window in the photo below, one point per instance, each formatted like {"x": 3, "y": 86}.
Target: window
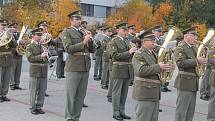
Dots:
{"x": 87, "y": 9}
{"x": 108, "y": 11}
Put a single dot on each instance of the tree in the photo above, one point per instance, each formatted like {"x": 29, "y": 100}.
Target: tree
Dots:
{"x": 30, "y": 12}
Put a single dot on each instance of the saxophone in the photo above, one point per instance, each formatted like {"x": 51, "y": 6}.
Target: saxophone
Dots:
{"x": 203, "y": 51}
{"x": 166, "y": 55}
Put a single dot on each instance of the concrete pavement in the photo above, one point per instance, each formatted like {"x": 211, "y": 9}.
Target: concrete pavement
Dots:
{"x": 99, "y": 109}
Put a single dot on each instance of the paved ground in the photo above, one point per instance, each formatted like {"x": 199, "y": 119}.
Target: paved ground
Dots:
{"x": 99, "y": 109}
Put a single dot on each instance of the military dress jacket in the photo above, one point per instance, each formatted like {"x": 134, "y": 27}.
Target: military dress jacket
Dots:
{"x": 146, "y": 80}
{"x": 38, "y": 65}
{"x": 98, "y": 39}
{"x": 120, "y": 56}
{"x": 105, "y": 56}
{"x": 185, "y": 57}
{"x": 78, "y": 58}
{"x": 211, "y": 63}
{"x": 6, "y": 56}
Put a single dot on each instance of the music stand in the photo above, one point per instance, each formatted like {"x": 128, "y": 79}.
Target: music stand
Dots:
{"x": 53, "y": 58}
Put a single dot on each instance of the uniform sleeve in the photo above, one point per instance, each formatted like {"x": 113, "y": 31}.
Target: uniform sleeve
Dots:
{"x": 33, "y": 58}
{"x": 115, "y": 54}
{"x": 182, "y": 61}
{"x": 68, "y": 45}
{"x": 142, "y": 68}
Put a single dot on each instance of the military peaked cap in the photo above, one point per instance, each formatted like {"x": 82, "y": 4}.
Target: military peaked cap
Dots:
{"x": 13, "y": 25}
{"x": 122, "y": 25}
{"x": 37, "y": 31}
{"x": 131, "y": 26}
{"x": 191, "y": 30}
{"x": 75, "y": 14}
{"x": 42, "y": 23}
{"x": 4, "y": 21}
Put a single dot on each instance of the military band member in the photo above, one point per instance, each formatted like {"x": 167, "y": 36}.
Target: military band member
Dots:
{"x": 146, "y": 90}
{"x": 110, "y": 86}
{"x": 131, "y": 38}
{"x": 17, "y": 60}
{"x": 37, "y": 55}
{"x": 6, "y": 60}
{"x": 46, "y": 40}
{"x": 187, "y": 79}
{"x": 78, "y": 45}
{"x": 60, "y": 59}
{"x": 105, "y": 58}
{"x": 120, "y": 54}
{"x": 98, "y": 52}
{"x": 211, "y": 105}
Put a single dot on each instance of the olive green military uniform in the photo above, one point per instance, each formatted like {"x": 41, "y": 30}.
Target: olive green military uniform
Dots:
{"x": 211, "y": 105}
{"x": 98, "y": 55}
{"x": 77, "y": 68}
{"x": 110, "y": 86}
{"x": 38, "y": 74}
{"x": 120, "y": 74}
{"x": 204, "y": 86}
{"x": 146, "y": 90}
{"x": 131, "y": 38}
{"x": 6, "y": 66}
{"x": 186, "y": 81}
{"x": 105, "y": 62}
{"x": 17, "y": 65}
{"x": 60, "y": 59}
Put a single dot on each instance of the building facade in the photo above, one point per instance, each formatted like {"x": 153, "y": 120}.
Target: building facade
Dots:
{"x": 96, "y": 11}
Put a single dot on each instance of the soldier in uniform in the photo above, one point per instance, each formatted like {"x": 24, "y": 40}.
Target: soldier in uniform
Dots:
{"x": 78, "y": 44}
{"x": 6, "y": 61}
{"x": 120, "y": 54}
{"x": 46, "y": 40}
{"x": 60, "y": 59}
{"x": 146, "y": 90}
{"x": 105, "y": 58}
{"x": 98, "y": 52}
{"x": 37, "y": 55}
{"x": 110, "y": 86}
{"x": 211, "y": 105}
{"x": 131, "y": 39}
{"x": 17, "y": 60}
{"x": 187, "y": 79}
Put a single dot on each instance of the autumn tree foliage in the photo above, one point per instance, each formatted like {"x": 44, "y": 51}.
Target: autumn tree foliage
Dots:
{"x": 59, "y": 19}
{"x": 30, "y": 12}
{"x": 141, "y": 14}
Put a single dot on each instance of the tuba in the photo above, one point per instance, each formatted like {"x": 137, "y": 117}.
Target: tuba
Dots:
{"x": 23, "y": 41}
{"x": 5, "y": 38}
{"x": 203, "y": 51}
{"x": 166, "y": 55}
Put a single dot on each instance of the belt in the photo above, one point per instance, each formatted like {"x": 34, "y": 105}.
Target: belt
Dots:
{"x": 39, "y": 64}
{"x": 187, "y": 73}
{"x": 81, "y": 53}
{"x": 5, "y": 53}
{"x": 121, "y": 63}
{"x": 148, "y": 80}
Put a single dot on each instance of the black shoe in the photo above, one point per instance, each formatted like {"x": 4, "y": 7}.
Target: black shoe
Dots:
{"x": 131, "y": 83}
{"x": 125, "y": 117}
{"x": 118, "y": 118}
{"x": 85, "y": 106}
{"x": 5, "y": 99}
{"x": 62, "y": 76}
{"x": 96, "y": 78}
{"x": 163, "y": 90}
{"x": 1, "y": 100}
{"x": 17, "y": 87}
{"x": 12, "y": 88}
{"x": 34, "y": 111}
{"x": 104, "y": 87}
{"x": 160, "y": 110}
{"x": 109, "y": 100}
{"x": 47, "y": 95}
{"x": 40, "y": 111}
